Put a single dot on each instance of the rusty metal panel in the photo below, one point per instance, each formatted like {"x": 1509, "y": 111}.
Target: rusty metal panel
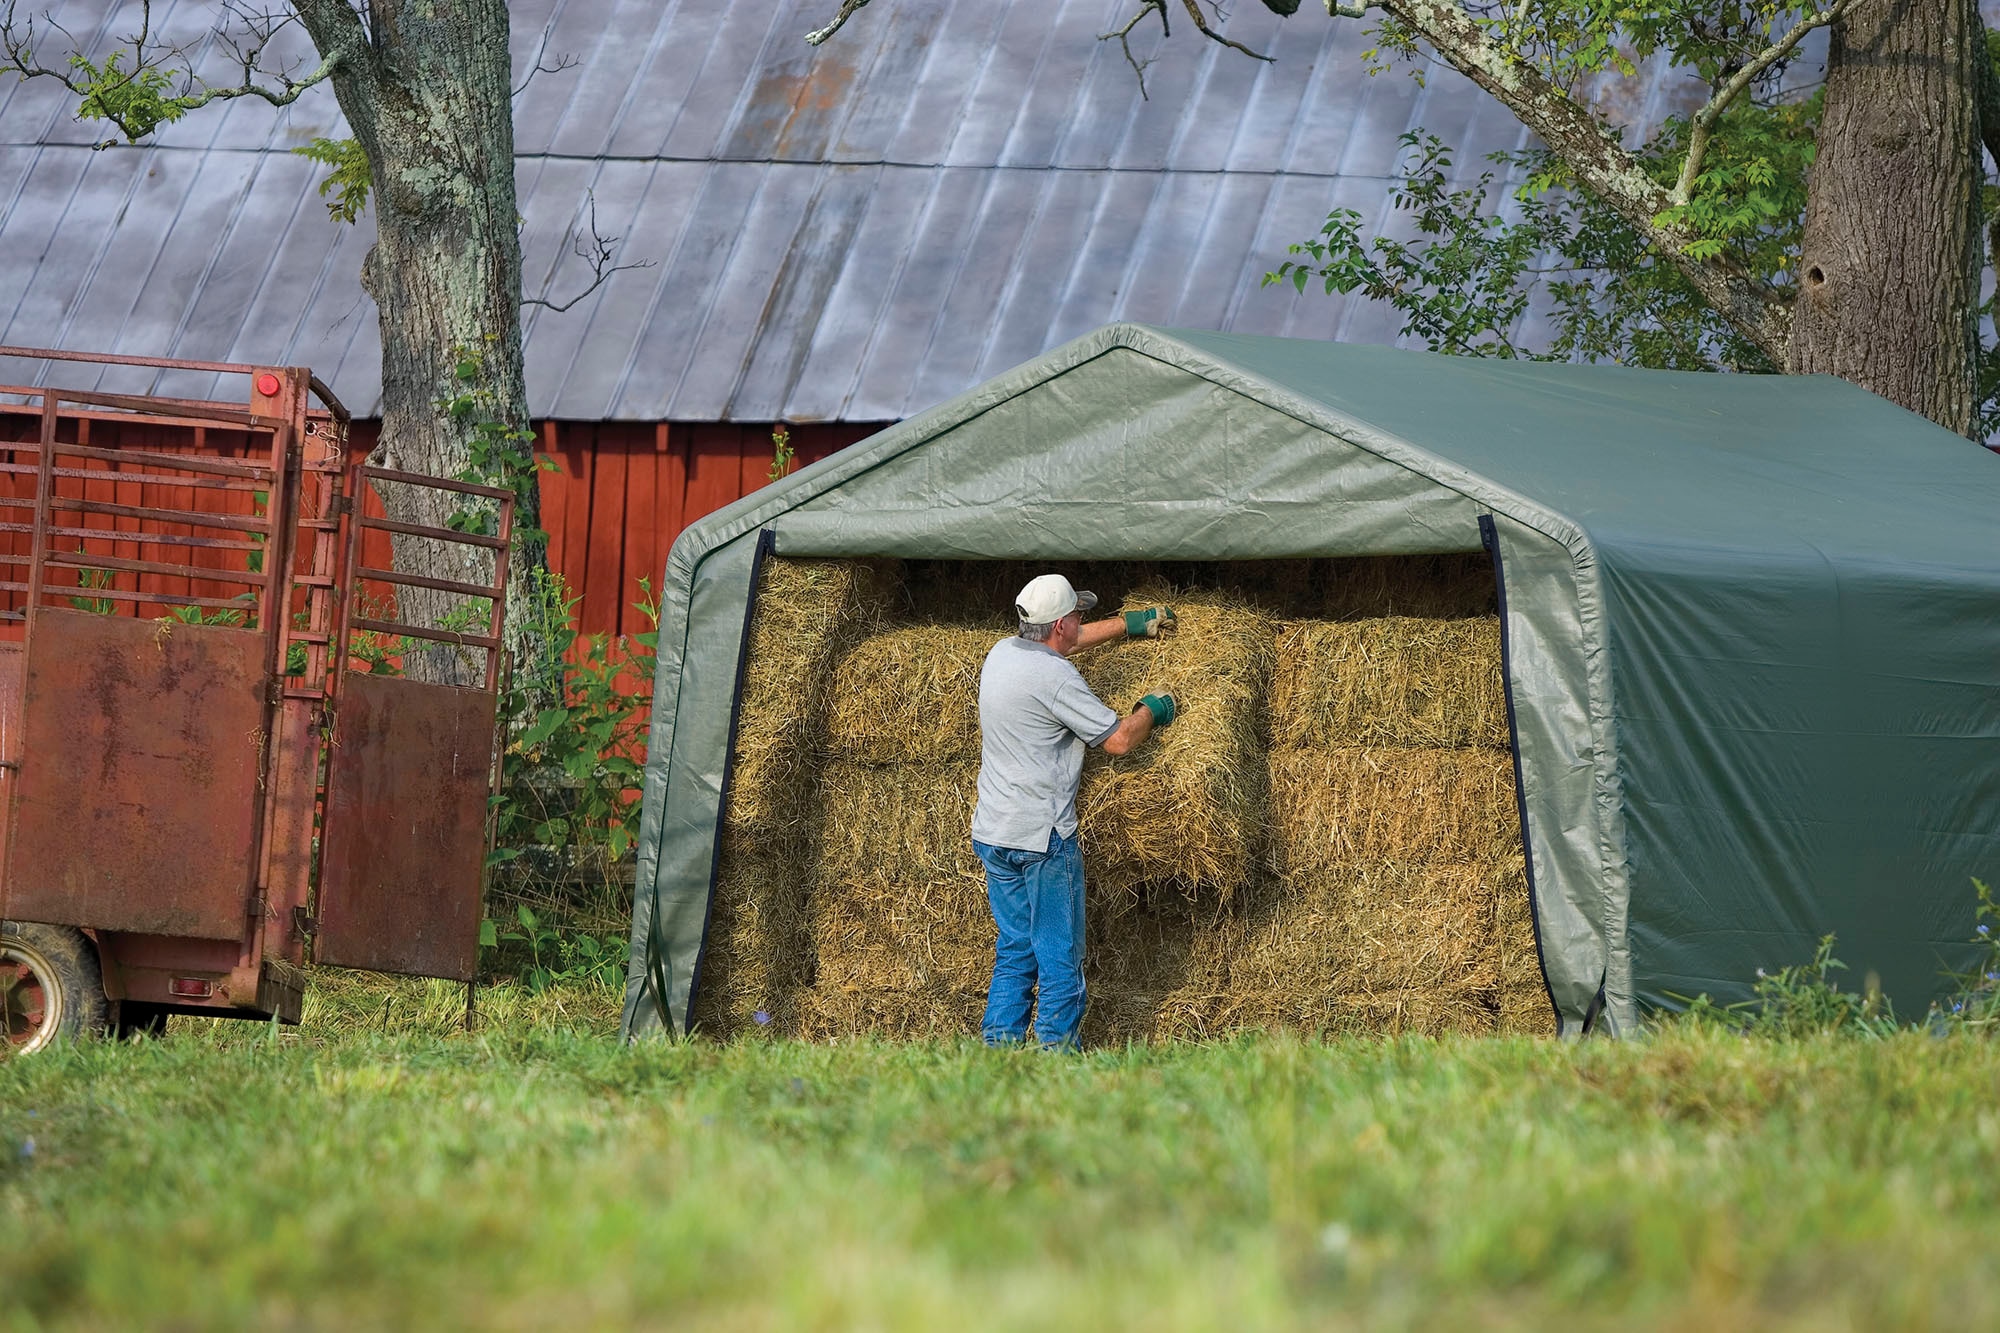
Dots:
{"x": 137, "y": 799}
{"x": 10, "y": 745}
{"x": 404, "y": 841}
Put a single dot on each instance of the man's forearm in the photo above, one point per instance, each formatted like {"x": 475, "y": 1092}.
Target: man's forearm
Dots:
{"x": 1100, "y": 631}
{"x": 1130, "y": 733}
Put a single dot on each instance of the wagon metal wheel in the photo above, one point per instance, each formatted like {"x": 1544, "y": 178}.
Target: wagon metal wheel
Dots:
{"x": 50, "y": 987}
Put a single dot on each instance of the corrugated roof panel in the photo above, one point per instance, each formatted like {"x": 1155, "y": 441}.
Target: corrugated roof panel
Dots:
{"x": 553, "y": 207}
{"x": 732, "y": 324}
{"x": 165, "y": 284}
{"x": 1273, "y": 103}
{"x": 1167, "y": 246}
{"x": 634, "y": 376}
{"x": 241, "y": 265}
{"x": 1097, "y": 271}
{"x": 990, "y": 256}
{"x": 1051, "y": 125}
{"x": 1387, "y": 108}
{"x": 37, "y": 202}
{"x": 713, "y": 200}
{"x": 310, "y": 260}
{"x": 807, "y": 272}
{"x": 843, "y": 339}
{"x": 677, "y": 49}
{"x": 857, "y": 121}
{"x": 1065, "y": 208}
{"x": 902, "y": 342}
{"x": 738, "y": 37}
{"x": 1007, "y": 79}
{"x": 94, "y": 186}
{"x": 1219, "y": 270}
{"x": 611, "y": 41}
{"x": 963, "y": 45}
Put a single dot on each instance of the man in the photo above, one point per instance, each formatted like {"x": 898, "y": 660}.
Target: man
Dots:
{"x": 1036, "y": 718}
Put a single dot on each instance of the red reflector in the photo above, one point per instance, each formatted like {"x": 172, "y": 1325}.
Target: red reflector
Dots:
{"x": 193, "y": 988}
{"x": 267, "y": 384}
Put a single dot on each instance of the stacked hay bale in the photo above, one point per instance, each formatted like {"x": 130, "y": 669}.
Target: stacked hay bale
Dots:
{"x": 1327, "y": 839}
{"x": 900, "y": 925}
{"x": 1394, "y": 832}
{"x": 758, "y": 956}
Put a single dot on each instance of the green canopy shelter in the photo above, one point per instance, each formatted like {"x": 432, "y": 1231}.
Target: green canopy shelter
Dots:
{"x": 1751, "y": 624}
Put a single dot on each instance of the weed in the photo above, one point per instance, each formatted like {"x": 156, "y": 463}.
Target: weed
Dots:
{"x": 1803, "y": 1000}
{"x": 557, "y": 957}
{"x": 1975, "y": 1007}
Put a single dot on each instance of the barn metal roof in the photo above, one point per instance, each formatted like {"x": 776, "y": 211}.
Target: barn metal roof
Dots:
{"x": 852, "y": 232}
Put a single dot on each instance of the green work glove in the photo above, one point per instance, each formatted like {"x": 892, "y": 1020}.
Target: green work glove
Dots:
{"x": 1150, "y": 623}
{"x": 1161, "y": 706}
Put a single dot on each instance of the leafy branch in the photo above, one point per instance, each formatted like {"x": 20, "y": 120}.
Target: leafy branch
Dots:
{"x": 154, "y": 83}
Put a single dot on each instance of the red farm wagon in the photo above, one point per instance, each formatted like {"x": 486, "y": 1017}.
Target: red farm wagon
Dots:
{"x": 200, "y": 785}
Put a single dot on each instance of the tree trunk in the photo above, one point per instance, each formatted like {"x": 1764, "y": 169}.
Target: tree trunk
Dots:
{"x": 1889, "y": 266}
{"x": 426, "y": 89}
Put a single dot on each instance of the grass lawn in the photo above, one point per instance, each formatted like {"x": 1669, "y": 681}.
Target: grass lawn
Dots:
{"x": 378, "y": 1168}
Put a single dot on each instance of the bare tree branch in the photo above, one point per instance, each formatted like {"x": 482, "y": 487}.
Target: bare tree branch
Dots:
{"x": 1124, "y": 36}
{"x": 564, "y": 60}
{"x": 847, "y": 8}
{"x": 1703, "y": 123}
{"x": 1194, "y": 12}
{"x": 594, "y": 249}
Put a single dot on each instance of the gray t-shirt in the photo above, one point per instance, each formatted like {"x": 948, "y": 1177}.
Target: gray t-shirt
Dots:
{"x": 1036, "y": 717}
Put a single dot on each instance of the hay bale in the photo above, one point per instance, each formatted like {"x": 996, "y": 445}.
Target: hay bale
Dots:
{"x": 1391, "y": 681}
{"x": 1158, "y": 973}
{"x": 908, "y": 695}
{"x": 1525, "y": 1008}
{"x": 758, "y": 954}
{"x": 1363, "y": 875}
{"x": 1188, "y": 808}
{"x": 895, "y": 824}
{"x": 807, "y": 612}
{"x": 1391, "y": 804}
{"x": 900, "y": 957}
{"x": 1357, "y": 927}
{"x": 1185, "y": 810}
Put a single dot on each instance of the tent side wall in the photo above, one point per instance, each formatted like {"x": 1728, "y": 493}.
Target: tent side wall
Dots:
{"x": 1109, "y": 450}
{"x": 1813, "y": 753}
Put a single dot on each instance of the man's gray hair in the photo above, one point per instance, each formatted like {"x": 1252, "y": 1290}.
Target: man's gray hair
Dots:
{"x": 1039, "y": 633}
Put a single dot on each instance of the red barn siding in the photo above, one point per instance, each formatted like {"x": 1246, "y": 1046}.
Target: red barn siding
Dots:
{"x": 623, "y": 490}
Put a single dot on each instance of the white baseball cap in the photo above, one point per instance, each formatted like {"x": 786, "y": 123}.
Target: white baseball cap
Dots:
{"x": 1048, "y": 598}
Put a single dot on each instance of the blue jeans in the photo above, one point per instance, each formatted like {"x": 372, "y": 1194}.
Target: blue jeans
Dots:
{"x": 1037, "y": 900}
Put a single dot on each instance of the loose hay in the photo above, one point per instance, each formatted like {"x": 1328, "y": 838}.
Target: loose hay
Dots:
{"x": 1393, "y": 681}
